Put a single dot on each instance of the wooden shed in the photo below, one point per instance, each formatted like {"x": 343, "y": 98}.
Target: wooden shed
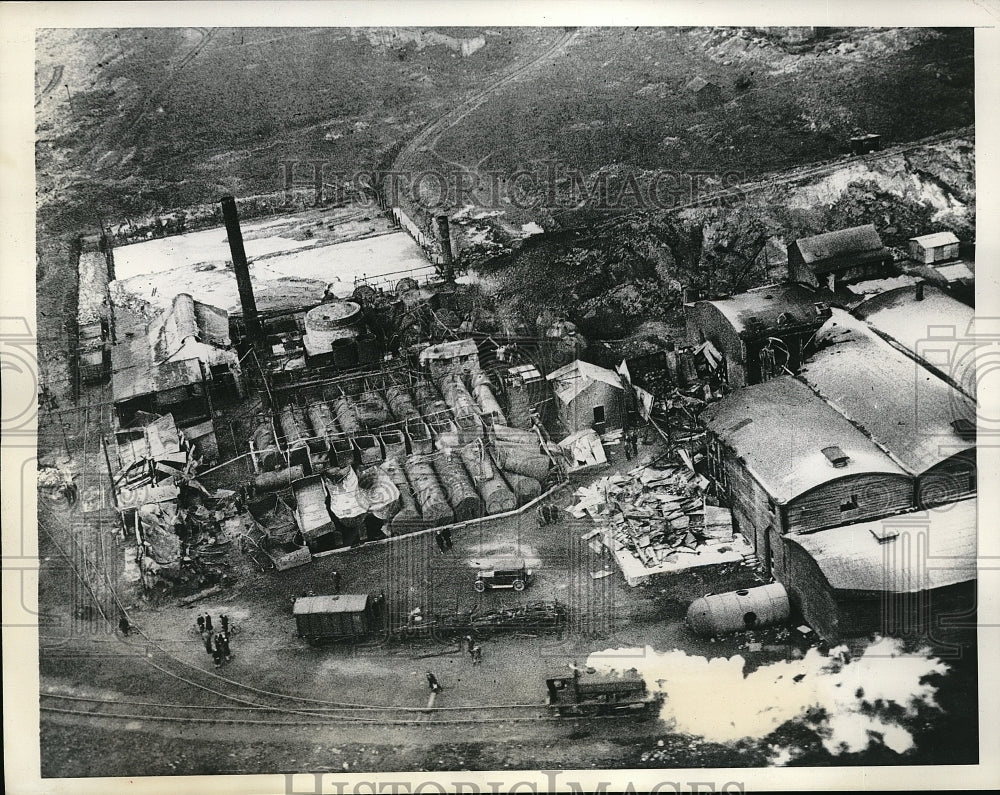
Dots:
{"x": 790, "y": 463}
{"x": 588, "y": 396}
{"x": 893, "y": 576}
{"x": 835, "y": 259}
{"x": 334, "y": 617}
{"x": 760, "y": 333}
{"x": 936, "y": 247}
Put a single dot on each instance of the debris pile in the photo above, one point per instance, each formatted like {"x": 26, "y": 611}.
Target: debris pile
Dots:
{"x": 656, "y": 520}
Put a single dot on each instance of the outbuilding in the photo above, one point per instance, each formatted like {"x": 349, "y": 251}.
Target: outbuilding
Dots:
{"x": 588, "y": 396}
{"x": 835, "y": 259}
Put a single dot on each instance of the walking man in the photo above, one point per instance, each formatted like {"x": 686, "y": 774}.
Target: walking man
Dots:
{"x": 433, "y": 683}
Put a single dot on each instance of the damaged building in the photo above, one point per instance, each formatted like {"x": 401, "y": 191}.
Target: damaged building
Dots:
{"x": 836, "y": 259}
{"x": 760, "y": 333}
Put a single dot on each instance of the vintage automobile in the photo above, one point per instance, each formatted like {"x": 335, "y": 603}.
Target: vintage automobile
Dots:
{"x": 509, "y": 574}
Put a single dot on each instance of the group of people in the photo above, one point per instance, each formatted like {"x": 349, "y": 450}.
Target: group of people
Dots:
{"x": 216, "y": 643}
{"x": 630, "y": 441}
{"x": 548, "y": 513}
{"x": 443, "y": 539}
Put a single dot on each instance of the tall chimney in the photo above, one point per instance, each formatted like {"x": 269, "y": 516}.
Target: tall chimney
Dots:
{"x": 242, "y": 270}
{"x": 444, "y": 238}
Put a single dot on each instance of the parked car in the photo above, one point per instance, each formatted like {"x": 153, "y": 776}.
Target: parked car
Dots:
{"x": 513, "y": 574}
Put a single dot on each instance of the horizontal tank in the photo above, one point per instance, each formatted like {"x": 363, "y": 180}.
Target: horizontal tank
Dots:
{"x": 738, "y": 611}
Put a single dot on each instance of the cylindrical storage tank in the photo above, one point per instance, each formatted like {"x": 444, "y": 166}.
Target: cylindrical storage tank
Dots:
{"x": 347, "y": 417}
{"x": 268, "y": 456}
{"x": 432, "y": 407}
{"x": 462, "y": 495}
{"x": 427, "y": 491}
{"x": 321, "y": 419}
{"x": 378, "y": 494}
{"x": 525, "y": 489}
{"x": 280, "y": 479}
{"x": 522, "y": 460}
{"x": 408, "y": 511}
{"x": 482, "y": 391}
{"x": 400, "y": 403}
{"x": 736, "y": 611}
{"x": 457, "y": 396}
{"x": 504, "y": 433}
{"x": 497, "y": 496}
{"x": 372, "y": 410}
{"x": 394, "y": 444}
{"x": 420, "y": 437}
{"x": 293, "y": 427}
{"x": 331, "y": 321}
{"x": 345, "y": 353}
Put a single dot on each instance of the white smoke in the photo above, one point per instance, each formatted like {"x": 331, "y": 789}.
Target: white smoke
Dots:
{"x": 844, "y": 699}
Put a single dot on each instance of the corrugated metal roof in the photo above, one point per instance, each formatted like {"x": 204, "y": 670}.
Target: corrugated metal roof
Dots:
{"x": 335, "y": 603}
{"x": 935, "y": 239}
{"x": 922, "y": 551}
{"x": 937, "y": 329}
{"x": 184, "y": 319}
{"x": 767, "y": 304}
{"x": 134, "y": 373}
{"x": 780, "y": 428}
{"x": 902, "y": 405}
{"x": 842, "y": 247}
{"x": 577, "y": 376}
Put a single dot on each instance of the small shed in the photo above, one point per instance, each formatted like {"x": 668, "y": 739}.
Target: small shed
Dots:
{"x": 588, "y": 396}
{"x": 890, "y": 576}
{"x": 706, "y": 93}
{"x": 334, "y": 617}
{"x": 936, "y": 247}
{"x": 834, "y": 259}
{"x": 457, "y": 356}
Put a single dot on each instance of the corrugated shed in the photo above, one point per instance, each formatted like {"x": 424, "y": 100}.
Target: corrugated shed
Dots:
{"x": 920, "y": 551}
{"x": 935, "y": 239}
{"x": 904, "y": 407}
{"x": 937, "y": 329}
{"x": 780, "y": 428}
{"x": 844, "y": 247}
{"x": 764, "y": 309}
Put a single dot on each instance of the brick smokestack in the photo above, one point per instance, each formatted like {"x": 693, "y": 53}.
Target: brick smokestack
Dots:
{"x": 444, "y": 238}
{"x": 242, "y": 270}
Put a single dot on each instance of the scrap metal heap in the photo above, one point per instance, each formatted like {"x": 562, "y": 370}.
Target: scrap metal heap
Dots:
{"x": 660, "y": 519}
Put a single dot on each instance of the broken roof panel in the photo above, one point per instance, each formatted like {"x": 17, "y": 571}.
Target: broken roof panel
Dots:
{"x": 780, "y": 429}
{"x": 135, "y": 374}
{"x": 900, "y": 403}
{"x": 872, "y": 556}
{"x": 186, "y": 318}
{"x": 937, "y": 329}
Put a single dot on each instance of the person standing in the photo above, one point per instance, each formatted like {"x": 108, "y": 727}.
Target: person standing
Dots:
{"x": 440, "y": 541}
{"x": 201, "y": 624}
{"x": 224, "y": 620}
{"x": 208, "y": 642}
{"x": 217, "y": 652}
{"x": 433, "y": 683}
{"x": 477, "y": 654}
{"x": 208, "y": 623}
{"x": 223, "y": 639}
{"x": 543, "y": 515}
{"x": 446, "y": 535}
{"x": 467, "y": 643}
